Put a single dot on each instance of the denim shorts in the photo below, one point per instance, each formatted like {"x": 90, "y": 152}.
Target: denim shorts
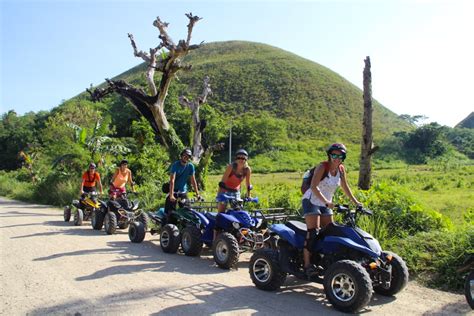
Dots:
{"x": 222, "y": 196}
{"x": 311, "y": 209}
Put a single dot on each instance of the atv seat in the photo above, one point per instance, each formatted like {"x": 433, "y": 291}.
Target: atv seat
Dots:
{"x": 211, "y": 215}
{"x": 298, "y": 227}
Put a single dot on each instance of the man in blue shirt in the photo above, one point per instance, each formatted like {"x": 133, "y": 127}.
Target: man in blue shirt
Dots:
{"x": 180, "y": 171}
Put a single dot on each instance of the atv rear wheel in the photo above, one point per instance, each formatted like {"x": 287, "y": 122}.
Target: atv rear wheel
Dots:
{"x": 265, "y": 270}
{"x": 469, "y": 289}
{"x": 97, "y": 219}
{"x": 78, "y": 217}
{"x": 225, "y": 250}
{"x": 110, "y": 223}
{"x": 169, "y": 238}
{"x": 136, "y": 232}
{"x": 348, "y": 286}
{"x": 67, "y": 213}
{"x": 399, "y": 277}
{"x": 191, "y": 241}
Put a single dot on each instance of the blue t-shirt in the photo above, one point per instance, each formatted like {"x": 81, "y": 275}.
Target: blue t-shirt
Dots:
{"x": 182, "y": 175}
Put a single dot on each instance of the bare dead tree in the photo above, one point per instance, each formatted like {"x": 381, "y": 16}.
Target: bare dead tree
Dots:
{"x": 197, "y": 125}
{"x": 367, "y": 146}
{"x": 165, "y": 58}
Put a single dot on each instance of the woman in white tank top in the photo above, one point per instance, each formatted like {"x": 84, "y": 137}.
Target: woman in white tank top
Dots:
{"x": 317, "y": 200}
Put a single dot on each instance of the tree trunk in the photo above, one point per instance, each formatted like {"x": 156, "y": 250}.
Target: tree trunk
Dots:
{"x": 151, "y": 105}
{"x": 367, "y": 148}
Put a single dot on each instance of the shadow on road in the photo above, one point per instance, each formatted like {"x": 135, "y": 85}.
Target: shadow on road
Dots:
{"x": 22, "y": 225}
{"x": 201, "y": 299}
{"x": 26, "y": 214}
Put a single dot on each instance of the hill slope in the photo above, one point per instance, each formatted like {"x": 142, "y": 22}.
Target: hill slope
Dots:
{"x": 254, "y": 77}
{"x": 468, "y": 122}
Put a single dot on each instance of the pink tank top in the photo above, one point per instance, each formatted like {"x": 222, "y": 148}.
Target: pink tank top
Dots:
{"x": 121, "y": 179}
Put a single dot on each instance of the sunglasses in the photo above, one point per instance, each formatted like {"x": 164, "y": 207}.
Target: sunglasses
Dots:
{"x": 336, "y": 156}
{"x": 241, "y": 158}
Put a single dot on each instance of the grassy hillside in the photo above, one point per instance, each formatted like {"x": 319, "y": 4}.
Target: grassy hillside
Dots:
{"x": 468, "y": 122}
{"x": 251, "y": 77}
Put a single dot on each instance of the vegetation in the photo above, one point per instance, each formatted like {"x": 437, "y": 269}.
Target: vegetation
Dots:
{"x": 284, "y": 110}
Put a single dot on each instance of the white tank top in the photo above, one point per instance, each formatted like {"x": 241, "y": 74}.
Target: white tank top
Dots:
{"x": 327, "y": 187}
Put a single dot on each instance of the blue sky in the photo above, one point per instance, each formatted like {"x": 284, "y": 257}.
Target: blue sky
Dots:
{"x": 421, "y": 51}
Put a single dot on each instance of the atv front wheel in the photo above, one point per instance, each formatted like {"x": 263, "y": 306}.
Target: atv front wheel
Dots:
{"x": 97, "y": 219}
{"x": 469, "y": 289}
{"x": 67, "y": 213}
{"x": 265, "y": 271}
{"x": 78, "y": 217}
{"x": 399, "y": 278}
{"x": 348, "y": 286}
{"x": 136, "y": 232}
{"x": 143, "y": 218}
{"x": 169, "y": 238}
{"x": 225, "y": 250}
{"x": 191, "y": 241}
{"x": 110, "y": 223}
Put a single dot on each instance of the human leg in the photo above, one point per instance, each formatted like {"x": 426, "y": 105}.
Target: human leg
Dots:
{"x": 312, "y": 225}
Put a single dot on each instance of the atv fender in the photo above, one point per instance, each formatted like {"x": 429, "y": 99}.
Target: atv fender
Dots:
{"x": 331, "y": 243}
{"x": 203, "y": 219}
{"x": 225, "y": 220}
{"x": 288, "y": 234}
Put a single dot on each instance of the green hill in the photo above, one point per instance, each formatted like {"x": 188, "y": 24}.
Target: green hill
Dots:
{"x": 468, "y": 122}
{"x": 253, "y": 77}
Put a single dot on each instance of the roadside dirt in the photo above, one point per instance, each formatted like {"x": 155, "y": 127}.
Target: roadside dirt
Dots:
{"x": 48, "y": 266}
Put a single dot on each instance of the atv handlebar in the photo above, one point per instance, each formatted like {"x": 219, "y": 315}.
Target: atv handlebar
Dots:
{"x": 345, "y": 209}
{"x": 230, "y": 198}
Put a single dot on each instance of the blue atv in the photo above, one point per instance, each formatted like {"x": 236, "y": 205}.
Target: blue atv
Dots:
{"x": 348, "y": 261}
{"x": 237, "y": 231}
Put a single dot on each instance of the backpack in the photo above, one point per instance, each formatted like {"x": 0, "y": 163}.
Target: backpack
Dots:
{"x": 308, "y": 175}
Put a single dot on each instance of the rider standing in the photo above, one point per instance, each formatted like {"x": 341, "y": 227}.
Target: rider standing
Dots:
{"x": 317, "y": 200}
{"x": 90, "y": 179}
{"x": 181, "y": 170}
{"x": 233, "y": 176}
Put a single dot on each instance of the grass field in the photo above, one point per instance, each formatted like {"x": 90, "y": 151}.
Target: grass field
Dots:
{"x": 449, "y": 192}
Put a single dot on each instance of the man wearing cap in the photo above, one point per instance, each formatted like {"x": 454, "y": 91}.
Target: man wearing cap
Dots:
{"x": 90, "y": 179}
{"x": 180, "y": 171}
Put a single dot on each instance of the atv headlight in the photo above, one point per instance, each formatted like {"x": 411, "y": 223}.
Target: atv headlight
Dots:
{"x": 236, "y": 225}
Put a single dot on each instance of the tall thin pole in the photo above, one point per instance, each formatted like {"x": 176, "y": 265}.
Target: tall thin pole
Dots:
{"x": 230, "y": 143}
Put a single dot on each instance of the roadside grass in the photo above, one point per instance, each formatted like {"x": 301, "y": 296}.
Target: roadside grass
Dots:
{"x": 449, "y": 192}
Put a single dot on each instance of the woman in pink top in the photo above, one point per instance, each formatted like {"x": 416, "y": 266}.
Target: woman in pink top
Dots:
{"x": 233, "y": 176}
{"x": 121, "y": 177}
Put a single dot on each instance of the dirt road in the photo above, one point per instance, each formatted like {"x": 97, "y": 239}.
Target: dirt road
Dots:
{"x": 51, "y": 267}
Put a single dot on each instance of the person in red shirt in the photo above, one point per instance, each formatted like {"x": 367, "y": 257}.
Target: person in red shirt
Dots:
{"x": 90, "y": 179}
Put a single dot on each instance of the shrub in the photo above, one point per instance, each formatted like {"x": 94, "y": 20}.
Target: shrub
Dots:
{"x": 436, "y": 257}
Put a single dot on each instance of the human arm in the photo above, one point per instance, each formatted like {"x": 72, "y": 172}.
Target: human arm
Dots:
{"x": 195, "y": 186}
{"x": 130, "y": 180}
{"x": 100, "y": 184}
{"x": 317, "y": 175}
{"x": 81, "y": 191}
{"x": 114, "y": 176}
{"x": 347, "y": 189}
{"x": 247, "y": 182}
{"x": 171, "y": 192}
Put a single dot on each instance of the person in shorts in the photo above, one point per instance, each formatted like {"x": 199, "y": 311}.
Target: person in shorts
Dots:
{"x": 317, "y": 200}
